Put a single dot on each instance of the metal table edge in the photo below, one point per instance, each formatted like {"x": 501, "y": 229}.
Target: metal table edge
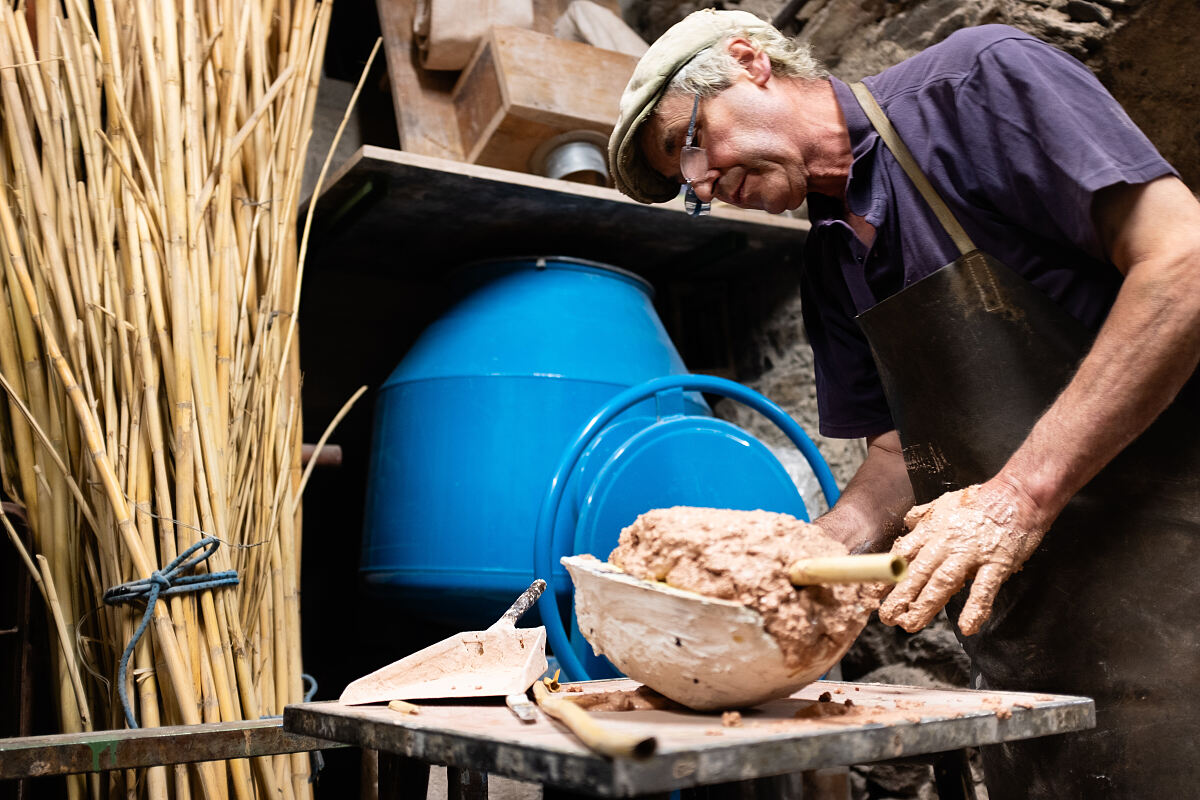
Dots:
{"x": 718, "y": 762}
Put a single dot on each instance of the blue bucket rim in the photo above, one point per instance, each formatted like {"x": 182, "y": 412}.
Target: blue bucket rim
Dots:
{"x": 470, "y": 272}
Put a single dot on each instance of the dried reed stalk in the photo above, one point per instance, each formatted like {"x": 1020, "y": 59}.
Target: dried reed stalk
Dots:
{"x": 151, "y": 155}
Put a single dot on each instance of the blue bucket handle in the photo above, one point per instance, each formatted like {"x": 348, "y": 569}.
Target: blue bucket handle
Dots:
{"x": 544, "y": 546}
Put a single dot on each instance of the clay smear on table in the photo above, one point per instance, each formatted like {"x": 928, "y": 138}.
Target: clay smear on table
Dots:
{"x": 744, "y": 556}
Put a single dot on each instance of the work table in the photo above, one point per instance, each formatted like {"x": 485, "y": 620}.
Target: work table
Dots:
{"x": 825, "y": 724}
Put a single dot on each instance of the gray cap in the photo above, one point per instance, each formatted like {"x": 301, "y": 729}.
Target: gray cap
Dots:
{"x": 679, "y": 45}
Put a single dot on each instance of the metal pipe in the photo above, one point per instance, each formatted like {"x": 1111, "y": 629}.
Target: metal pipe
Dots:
{"x": 578, "y": 161}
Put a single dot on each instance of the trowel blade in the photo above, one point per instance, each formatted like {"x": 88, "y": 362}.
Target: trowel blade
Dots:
{"x": 487, "y": 663}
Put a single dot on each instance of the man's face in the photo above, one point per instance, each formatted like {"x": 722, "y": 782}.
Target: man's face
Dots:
{"x": 752, "y": 161}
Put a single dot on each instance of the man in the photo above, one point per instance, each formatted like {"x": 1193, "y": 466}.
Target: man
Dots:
{"x": 1015, "y": 343}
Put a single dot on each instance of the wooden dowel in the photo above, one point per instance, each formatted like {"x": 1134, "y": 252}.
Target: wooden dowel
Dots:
{"x": 404, "y": 707}
{"x": 848, "y": 569}
{"x": 330, "y": 455}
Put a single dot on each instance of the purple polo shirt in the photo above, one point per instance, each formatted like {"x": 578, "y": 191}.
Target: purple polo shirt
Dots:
{"x": 1017, "y": 137}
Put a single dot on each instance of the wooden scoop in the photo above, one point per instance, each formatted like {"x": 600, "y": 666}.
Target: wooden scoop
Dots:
{"x": 701, "y": 651}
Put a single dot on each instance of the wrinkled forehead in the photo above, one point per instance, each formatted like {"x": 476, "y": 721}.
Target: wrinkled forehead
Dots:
{"x": 662, "y": 134}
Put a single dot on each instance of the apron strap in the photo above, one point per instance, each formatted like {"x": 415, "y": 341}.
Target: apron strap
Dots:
{"x": 900, "y": 151}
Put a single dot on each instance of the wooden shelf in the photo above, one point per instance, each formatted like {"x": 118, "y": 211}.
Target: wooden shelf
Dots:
{"x": 431, "y": 214}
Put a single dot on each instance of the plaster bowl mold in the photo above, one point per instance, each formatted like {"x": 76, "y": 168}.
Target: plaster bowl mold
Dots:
{"x": 706, "y": 653}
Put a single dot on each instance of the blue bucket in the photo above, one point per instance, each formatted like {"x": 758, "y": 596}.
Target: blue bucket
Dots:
{"x": 471, "y": 426}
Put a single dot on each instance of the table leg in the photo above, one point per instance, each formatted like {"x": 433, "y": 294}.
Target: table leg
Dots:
{"x": 831, "y": 783}
{"x": 552, "y": 793}
{"x": 402, "y": 777}
{"x": 466, "y": 784}
{"x": 952, "y": 776}
{"x": 776, "y": 787}
{"x": 368, "y": 775}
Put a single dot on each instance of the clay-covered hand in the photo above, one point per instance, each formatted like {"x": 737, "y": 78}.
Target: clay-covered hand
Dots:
{"x": 978, "y": 533}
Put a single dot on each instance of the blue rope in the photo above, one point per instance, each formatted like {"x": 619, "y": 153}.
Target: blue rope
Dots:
{"x": 164, "y": 583}
{"x": 312, "y": 689}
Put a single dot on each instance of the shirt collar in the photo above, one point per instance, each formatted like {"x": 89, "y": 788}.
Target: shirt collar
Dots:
{"x": 864, "y": 192}
{"x": 862, "y": 133}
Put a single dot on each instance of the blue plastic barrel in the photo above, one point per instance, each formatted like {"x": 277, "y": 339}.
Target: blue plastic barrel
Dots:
{"x": 470, "y": 425}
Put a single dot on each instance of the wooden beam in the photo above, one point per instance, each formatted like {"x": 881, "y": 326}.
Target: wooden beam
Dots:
{"x": 99, "y": 751}
{"x": 425, "y": 119}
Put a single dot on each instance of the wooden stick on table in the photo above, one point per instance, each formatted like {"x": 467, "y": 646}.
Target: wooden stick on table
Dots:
{"x": 596, "y": 737}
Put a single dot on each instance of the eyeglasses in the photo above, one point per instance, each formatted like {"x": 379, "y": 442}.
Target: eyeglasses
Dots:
{"x": 693, "y": 165}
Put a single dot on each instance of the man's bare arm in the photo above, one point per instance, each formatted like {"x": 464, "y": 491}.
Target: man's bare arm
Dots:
{"x": 1145, "y": 351}
{"x": 869, "y": 514}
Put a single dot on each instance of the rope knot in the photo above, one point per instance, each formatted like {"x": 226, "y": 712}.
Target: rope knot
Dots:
{"x": 164, "y": 583}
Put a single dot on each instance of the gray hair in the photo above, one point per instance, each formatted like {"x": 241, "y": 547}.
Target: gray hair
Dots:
{"x": 712, "y": 69}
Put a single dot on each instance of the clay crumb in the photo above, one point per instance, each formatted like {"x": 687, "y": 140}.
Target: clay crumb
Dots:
{"x": 825, "y": 697}
{"x": 731, "y": 719}
{"x": 574, "y": 687}
{"x": 1022, "y": 705}
{"x": 821, "y": 710}
{"x": 713, "y": 732}
{"x": 1004, "y": 713}
{"x": 1044, "y": 698}
{"x": 642, "y": 698}
{"x": 849, "y": 703}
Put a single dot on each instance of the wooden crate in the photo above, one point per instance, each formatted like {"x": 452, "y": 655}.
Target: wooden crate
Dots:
{"x": 523, "y": 87}
{"x": 425, "y": 118}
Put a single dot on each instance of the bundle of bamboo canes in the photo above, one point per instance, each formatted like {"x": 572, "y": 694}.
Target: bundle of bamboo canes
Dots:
{"x": 150, "y": 166}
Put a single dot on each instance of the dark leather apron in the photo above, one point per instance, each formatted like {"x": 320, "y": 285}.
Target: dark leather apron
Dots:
{"x": 1109, "y": 605}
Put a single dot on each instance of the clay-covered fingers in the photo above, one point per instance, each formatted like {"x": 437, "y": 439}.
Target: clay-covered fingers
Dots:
{"x": 982, "y": 533}
{"x": 916, "y": 514}
{"x": 910, "y": 544}
{"x": 978, "y": 607}
{"x": 936, "y": 568}
{"x": 942, "y": 585}
{"x": 922, "y": 564}
{"x": 877, "y": 591}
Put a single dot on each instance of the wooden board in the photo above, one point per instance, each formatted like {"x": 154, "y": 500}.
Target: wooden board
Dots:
{"x": 523, "y": 87}
{"x": 802, "y": 732}
{"x": 430, "y": 215}
{"x": 547, "y": 12}
{"x": 425, "y": 118}
{"x": 99, "y": 751}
